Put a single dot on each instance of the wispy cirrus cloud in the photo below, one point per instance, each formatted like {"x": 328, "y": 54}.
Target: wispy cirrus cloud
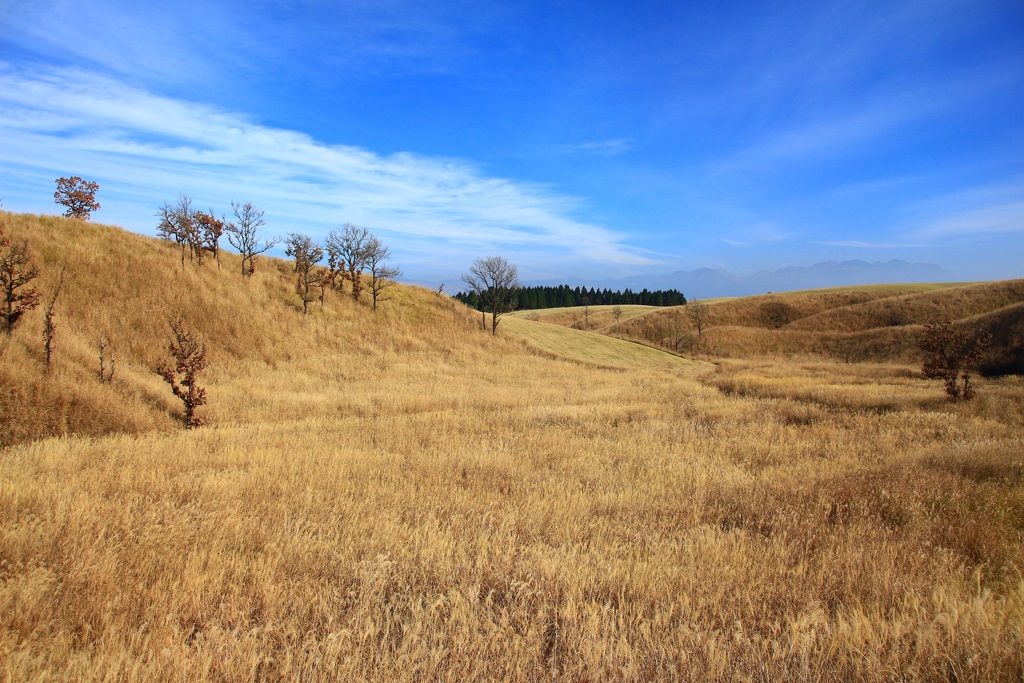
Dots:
{"x": 859, "y": 244}
{"x": 610, "y": 147}
{"x": 986, "y": 211}
{"x": 196, "y": 40}
{"x": 147, "y": 148}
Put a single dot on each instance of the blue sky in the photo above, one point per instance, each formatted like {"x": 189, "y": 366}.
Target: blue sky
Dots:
{"x": 578, "y": 139}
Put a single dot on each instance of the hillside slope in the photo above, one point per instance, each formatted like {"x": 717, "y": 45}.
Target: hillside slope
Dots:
{"x": 266, "y": 358}
{"x": 878, "y": 323}
{"x": 399, "y": 496}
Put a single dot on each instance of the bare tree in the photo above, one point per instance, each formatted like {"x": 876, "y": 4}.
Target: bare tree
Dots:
{"x": 346, "y": 254}
{"x": 617, "y": 313}
{"x": 242, "y": 235}
{"x": 679, "y": 336}
{"x": 189, "y": 359}
{"x": 178, "y": 224}
{"x": 16, "y": 272}
{"x": 381, "y": 275}
{"x": 496, "y": 281}
{"x": 951, "y": 352}
{"x": 77, "y": 196}
{"x": 307, "y": 254}
{"x": 697, "y": 312}
{"x": 50, "y": 327}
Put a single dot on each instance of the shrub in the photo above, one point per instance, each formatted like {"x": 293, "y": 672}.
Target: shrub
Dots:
{"x": 950, "y": 354}
{"x": 189, "y": 360}
{"x": 16, "y": 272}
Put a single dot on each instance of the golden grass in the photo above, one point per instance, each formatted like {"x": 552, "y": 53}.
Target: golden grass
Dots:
{"x": 401, "y": 497}
{"x": 540, "y": 519}
{"x": 878, "y": 323}
{"x": 600, "y": 317}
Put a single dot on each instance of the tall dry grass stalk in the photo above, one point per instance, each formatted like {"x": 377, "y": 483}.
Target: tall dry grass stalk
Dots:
{"x": 400, "y": 497}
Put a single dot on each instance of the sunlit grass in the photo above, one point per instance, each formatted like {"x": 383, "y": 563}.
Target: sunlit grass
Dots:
{"x": 593, "y": 348}
{"x": 403, "y": 497}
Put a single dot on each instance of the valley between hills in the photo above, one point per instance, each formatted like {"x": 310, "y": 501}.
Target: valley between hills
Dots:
{"x": 587, "y": 495}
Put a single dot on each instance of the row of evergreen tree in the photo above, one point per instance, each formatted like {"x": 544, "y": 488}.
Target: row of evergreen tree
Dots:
{"x": 532, "y": 298}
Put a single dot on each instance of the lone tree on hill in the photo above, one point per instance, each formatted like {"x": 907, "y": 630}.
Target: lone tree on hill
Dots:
{"x": 347, "y": 255}
{"x": 16, "y": 272}
{"x": 77, "y": 195}
{"x": 950, "y": 354}
{"x": 307, "y": 254}
{"x": 495, "y": 281}
{"x": 381, "y": 275}
{"x": 242, "y": 235}
{"x": 189, "y": 359}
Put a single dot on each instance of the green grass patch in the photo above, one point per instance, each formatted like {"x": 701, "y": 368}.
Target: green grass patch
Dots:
{"x": 594, "y": 348}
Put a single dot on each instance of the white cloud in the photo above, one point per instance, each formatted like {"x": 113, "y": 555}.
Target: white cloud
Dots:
{"x": 612, "y": 147}
{"x": 146, "y": 149}
{"x": 997, "y": 209}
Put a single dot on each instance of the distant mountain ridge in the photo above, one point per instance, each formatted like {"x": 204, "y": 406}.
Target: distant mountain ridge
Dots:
{"x": 706, "y": 283}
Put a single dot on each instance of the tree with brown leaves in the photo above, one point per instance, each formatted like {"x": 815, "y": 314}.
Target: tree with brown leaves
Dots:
{"x": 209, "y": 231}
{"x": 307, "y": 254}
{"x": 188, "y": 360}
{"x": 16, "y": 272}
{"x": 78, "y": 196}
{"x": 951, "y": 352}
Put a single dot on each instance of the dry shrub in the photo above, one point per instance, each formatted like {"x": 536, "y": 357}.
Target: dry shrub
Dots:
{"x": 188, "y": 356}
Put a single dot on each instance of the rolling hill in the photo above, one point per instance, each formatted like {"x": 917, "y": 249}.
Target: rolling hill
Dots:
{"x": 400, "y": 496}
{"x": 267, "y": 360}
{"x": 879, "y": 323}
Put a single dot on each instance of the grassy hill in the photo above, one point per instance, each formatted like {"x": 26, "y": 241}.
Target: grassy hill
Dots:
{"x": 267, "y": 360}
{"x": 877, "y": 323}
{"x": 601, "y": 317}
{"x": 400, "y": 496}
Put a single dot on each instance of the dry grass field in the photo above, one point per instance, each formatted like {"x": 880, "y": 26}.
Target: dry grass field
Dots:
{"x": 880, "y": 323}
{"x": 595, "y": 349}
{"x": 601, "y": 318}
{"x": 401, "y": 497}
